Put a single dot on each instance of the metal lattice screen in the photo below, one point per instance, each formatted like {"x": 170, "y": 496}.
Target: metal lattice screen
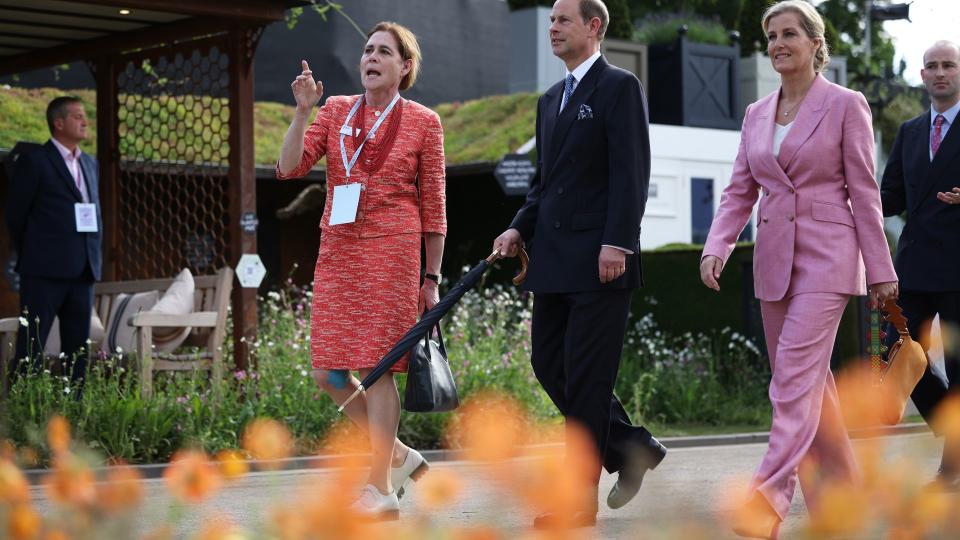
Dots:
{"x": 172, "y": 134}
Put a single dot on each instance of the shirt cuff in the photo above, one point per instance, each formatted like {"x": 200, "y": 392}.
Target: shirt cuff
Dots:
{"x": 625, "y": 250}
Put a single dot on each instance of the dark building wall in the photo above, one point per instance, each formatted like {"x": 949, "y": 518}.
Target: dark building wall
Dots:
{"x": 464, "y": 46}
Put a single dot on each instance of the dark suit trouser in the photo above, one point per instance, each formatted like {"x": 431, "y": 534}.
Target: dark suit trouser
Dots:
{"x": 577, "y": 340}
{"x": 919, "y": 307}
{"x": 69, "y": 299}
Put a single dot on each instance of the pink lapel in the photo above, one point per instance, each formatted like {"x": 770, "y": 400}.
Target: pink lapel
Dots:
{"x": 763, "y": 139}
{"x": 808, "y": 117}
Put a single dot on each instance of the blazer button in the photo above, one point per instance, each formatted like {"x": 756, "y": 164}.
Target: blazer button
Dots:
{"x": 560, "y": 191}
{"x": 556, "y": 224}
{"x": 766, "y": 220}
{"x": 791, "y": 190}
{"x": 766, "y": 191}
{"x": 790, "y": 218}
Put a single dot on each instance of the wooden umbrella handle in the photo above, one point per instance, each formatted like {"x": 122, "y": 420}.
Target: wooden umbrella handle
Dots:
{"x": 524, "y": 261}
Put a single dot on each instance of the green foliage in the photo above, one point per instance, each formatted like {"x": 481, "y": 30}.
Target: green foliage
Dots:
{"x": 847, "y": 18}
{"x": 662, "y": 29}
{"x": 752, "y": 38}
{"x": 477, "y": 130}
{"x": 620, "y": 27}
{"x": 713, "y": 378}
{"x": 697, "y": 379}
{"x": 485, "y": 129}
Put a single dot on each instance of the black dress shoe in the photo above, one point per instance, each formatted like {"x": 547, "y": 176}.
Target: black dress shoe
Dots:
{"x": 630, "y": 479}
{"x": 562, "y": 520}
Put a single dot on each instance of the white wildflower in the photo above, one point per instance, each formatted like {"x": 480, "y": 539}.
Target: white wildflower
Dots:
{"x": 23, "y": 322}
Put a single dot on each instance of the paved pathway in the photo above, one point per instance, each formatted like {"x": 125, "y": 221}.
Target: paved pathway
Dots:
{"x": 689, "y": 485}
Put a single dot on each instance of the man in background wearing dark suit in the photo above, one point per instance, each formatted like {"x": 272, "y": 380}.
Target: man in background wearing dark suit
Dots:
{"x": 921, "y": 179}
{"x": 53, "y": 213}
{"x": 581, "y": 221}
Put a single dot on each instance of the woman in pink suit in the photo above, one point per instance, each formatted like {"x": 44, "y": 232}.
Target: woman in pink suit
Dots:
{"x": 806, "y": 151}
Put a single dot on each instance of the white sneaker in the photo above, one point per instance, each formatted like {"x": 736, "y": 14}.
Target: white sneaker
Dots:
{"x": 413, "y": 467}
{"x": 376, "y": 506}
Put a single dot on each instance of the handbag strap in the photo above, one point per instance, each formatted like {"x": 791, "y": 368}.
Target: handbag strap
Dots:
{"x": 426, "y": 336}
{"x": 894, "y": 315}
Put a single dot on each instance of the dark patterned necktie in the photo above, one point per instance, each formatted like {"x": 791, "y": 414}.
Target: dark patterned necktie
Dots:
{"x": 567, "y": 90}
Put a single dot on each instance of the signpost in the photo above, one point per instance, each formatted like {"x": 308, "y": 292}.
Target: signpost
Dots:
{"x": 514, "y": 173}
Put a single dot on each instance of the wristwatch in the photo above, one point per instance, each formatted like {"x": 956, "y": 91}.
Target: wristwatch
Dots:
{"x": 432, "y": 277}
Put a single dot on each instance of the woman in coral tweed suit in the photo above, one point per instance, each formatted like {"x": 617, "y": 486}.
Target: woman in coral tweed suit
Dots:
{"x": 807, "y": 152}
{"x": 367, "y": 289}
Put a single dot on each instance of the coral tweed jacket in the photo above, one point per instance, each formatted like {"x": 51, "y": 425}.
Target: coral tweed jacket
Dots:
{"x": 819, "y": 225}
{"x": 389, "y": 201}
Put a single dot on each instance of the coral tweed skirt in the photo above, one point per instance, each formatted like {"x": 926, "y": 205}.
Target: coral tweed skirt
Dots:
{"x": 365, "y": 296}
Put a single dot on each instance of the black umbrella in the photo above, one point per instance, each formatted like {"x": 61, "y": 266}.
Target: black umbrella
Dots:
{"x": 431, "y": 317}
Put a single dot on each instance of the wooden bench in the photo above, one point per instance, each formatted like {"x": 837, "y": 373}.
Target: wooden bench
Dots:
{"x": 208, "y": 322}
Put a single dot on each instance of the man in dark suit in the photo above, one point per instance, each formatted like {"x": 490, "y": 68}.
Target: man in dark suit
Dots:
{"x": 581, "y": 221}
{"x": 921, "y": 179}
{"x": 53, "y": 213}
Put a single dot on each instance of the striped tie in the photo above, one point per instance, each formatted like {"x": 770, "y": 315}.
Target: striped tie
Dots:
{"x": 937, "y": 133}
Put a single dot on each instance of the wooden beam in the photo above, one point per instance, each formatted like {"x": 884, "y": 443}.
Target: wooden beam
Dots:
{"x": 114, "y": 43}
{"x": 242, "y": 10}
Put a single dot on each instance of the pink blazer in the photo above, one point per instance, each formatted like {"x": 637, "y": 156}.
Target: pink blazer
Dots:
{"x": 820, "y": 226}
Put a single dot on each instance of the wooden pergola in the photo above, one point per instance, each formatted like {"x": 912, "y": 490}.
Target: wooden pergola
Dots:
{"x": 174, "y": 86}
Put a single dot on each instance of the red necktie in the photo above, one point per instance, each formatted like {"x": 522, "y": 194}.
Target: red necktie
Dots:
{"x": 937, "y": 133}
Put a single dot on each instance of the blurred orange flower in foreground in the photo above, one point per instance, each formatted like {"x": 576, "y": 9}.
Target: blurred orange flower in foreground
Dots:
{"x": 23, "y": 523}
{"x": 191, "y": 476}
{"x": 489, "y": 427}
{"x": 266, "y": 439}
{"x": 13, "y": 484}
{"x": 232, "y": 465}
{"x": 72, "y": 481}
{"x": 122, "y": 489}
{"x": 58, "y": 434}
{"x": 219, "y": 529}
{"x": 438, "y": 489}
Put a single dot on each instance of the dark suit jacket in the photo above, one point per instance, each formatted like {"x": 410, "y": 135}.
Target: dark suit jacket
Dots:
{"x": 590, "y": 189}
{"x": 928, "y": 254}
{"x": 41, "y": 216}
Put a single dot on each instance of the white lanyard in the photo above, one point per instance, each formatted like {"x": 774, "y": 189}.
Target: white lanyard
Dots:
{"x": 347, "y": 129}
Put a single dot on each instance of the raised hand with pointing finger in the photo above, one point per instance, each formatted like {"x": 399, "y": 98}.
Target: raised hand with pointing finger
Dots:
{"x": 306, "y": 91}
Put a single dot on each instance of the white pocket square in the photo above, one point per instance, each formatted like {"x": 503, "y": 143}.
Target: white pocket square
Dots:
{"x": 585, "y": 112}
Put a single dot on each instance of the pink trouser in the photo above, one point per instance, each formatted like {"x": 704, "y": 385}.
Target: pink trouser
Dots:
{"x": 807, "y": 434}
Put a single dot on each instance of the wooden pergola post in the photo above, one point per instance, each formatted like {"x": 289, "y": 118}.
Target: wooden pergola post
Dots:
{"x": 108, "y": 156}
{"x": 243, "y": 189}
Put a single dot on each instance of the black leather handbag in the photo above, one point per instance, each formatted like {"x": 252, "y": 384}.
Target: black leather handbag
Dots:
{"x": 430, "y": 386}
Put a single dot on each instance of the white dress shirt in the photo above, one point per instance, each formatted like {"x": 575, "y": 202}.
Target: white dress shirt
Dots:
{"x": 72, "y": 160}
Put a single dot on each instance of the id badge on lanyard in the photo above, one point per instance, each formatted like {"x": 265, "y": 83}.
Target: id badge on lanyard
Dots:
{"x": 346, "y": 198}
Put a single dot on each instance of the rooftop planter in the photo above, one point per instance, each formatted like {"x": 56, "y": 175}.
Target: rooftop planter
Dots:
{"x": 695, "y": 84}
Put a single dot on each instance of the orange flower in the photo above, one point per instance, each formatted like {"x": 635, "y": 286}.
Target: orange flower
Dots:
{"x": 232, "y": 465}
{"x": 58, "y": 434}
{"x": 288, "y": 524}
{"x": 220, "y": 529}
{"x": 191, "y": 476}
{"x": 23, "y": 524}
{"x": 13, "y": 484}
{"x": 56, "y": 534}
{"x": 490, "y": 427}
{"x": 72, "y": 482}
{"x": 266, "y": 439}
{"x": 121, "y": 491}
{"x": 438, "y": 489}
{"x": 478, "y": 533}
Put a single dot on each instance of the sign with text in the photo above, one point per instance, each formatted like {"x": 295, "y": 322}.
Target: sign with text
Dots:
{"x": 514, "y": 173}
